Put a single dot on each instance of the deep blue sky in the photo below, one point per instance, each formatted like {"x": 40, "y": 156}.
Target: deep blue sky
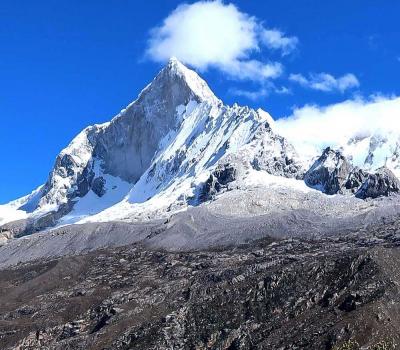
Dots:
{"x": 67, "y": 64}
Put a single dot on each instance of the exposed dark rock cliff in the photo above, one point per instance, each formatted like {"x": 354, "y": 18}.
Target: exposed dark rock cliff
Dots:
{"x": 382, "y": 183}
{"x": 329, "y": 173}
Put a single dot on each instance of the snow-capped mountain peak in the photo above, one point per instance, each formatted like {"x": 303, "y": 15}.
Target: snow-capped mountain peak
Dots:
{"x": 176, "y": 85}
{"x": 177, "y": 145}
{"x": 159, "y": 150}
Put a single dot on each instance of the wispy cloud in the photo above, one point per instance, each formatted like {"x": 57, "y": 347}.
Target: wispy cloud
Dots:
{"x": 326, "y": 82}
{"x": 214, "y": 34}
{"x": 275, "y": 39}
{"x": 251, "y": 95}
{"x": 253, "y": 70}
{"x": 264, "y": 91}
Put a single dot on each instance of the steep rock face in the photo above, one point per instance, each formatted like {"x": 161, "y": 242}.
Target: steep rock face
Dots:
{"x": 125, "y": 146}
{"x": 382, "y": 183}
{"x": 330, "y": 172}
{"x": 355, "y": 179}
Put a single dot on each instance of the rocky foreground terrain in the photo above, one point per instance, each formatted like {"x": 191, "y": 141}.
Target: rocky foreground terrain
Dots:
{"x": 330, "y": 293}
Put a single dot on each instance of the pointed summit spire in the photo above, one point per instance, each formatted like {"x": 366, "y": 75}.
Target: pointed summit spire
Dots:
{"x": 173, "y": 61}
{"x": 174, "y": 65}
{"x": 192, "y": 80}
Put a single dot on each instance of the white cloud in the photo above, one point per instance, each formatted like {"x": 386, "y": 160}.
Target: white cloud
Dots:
{"x": 312, "y": 128}
{"x": 326, "y": 82}
{"x": 275, "y": 39}
{"x": 213, "y": 34}
{"x": 299, "y": 78}
{"x": 253, "y": 70}
{"x": 251, "y": 95}
{"x": 262, "y": 92}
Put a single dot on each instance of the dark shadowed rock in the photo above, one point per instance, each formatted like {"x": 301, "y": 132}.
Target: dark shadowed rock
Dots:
{"x": 98, "y": 186}
{"x": 330, "y": 173}
{"x": 355, "y": 179}
{"x": 218, "y": 180}
{"x": 382, "y": 183}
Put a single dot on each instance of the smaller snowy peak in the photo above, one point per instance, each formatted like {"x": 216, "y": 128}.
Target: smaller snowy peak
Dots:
{"x": 332, "y": 173}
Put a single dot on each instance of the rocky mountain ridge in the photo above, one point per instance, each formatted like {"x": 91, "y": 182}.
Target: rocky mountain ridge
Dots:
{"x": 332, "y": 173}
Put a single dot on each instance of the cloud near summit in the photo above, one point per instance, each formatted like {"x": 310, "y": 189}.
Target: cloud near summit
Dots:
{"x": 213, "y": 34}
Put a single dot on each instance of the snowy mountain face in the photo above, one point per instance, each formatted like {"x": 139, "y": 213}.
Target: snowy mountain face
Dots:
{"x": 125, "y": 147}
{"x": 156, "y": 155}
{"x": 371, "y": 152}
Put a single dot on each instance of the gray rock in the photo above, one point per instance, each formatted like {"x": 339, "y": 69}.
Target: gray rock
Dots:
{"x": 275, "y": 155}
{"x": 98, "y": 186}
{"x": 331, "y": 173}
{"x": 218, "y": 181}
{"x": 382, "y": 183}
{"x": 355, "y": 179}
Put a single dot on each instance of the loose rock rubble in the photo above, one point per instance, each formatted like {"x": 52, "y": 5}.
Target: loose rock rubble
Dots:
{"x": 269, "y": 294}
